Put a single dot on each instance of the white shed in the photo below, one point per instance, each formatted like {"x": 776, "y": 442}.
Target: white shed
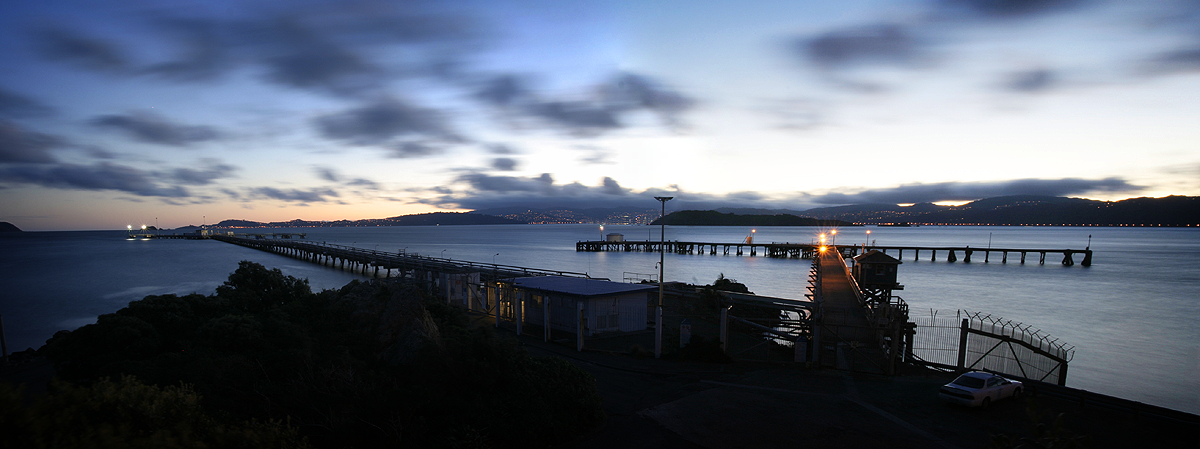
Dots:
{"x": 608, "y": 306}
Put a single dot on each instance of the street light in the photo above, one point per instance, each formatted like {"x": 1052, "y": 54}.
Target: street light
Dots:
{"x": 494, "y": 258}
{"x": 602, "y": 233}
{"x": 662, "y": 244}
{"x": 443, "y": 254}
{"x": 834, "y": 234}
{"x": 865, "y": 242}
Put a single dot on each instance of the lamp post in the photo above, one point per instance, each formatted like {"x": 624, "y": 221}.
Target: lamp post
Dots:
{"x": 494, "y": 258}
{"x": 601, "y": 233}
{"x": 662, "y": 244}
{"x": 865, "y": 242}
{"x": 834, "y": 234}
{"x": 443, "y": 254}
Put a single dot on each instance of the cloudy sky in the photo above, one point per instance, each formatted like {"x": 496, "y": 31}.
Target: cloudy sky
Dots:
{"x": 181, "y": 111}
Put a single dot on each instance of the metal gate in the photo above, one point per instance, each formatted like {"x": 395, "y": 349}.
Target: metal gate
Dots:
{"x": 978, "y": 341}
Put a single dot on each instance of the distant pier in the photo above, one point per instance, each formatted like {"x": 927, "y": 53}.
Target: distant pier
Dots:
{"x": 789, "y": 250}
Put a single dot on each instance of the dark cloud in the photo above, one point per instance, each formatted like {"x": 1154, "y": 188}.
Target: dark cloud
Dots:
{"x": 16, "y": 105}
{"x": 967, "y": 191}
{"x": 327, "y": 174}
{"x": 299, "y": 56}
{"x": 620, "y": 94}
{"x": 315, "y": 195}
{"x": 363, "y": 183}
{"x": 153, "y": 129}
{"x": 504, "y": 164}
{"x": 480, "y": 181}
{"x": 502, "y": 149}
{"x": 610, "y": 186}
{"x": 541, "y": 192}
{"x": 103, "y": 176}
{"x": 628, "y": 91}
{"x": 212, "y": 170}
{"x": 67, "y": 46}
{"x": 1182, "y": 60}
{"x": 502, "y": 90}
{"x": 486, "y": 191}
{"x": 587, "y": 118}
{"x": 878, "y": 43}
{"x": 204, "y": 50}
{"x": 1013, "y": 8}
{"x": 380, "y": 122}
{"x": 330, "y": 174}
{"x": 1030, "y": 81}
{"x": 405, "y": 150}
{"x": 21, "y": 145}
{"x": 336, "y": 48}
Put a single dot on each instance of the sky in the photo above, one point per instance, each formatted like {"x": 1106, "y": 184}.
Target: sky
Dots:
{"x": 188, "y": 112}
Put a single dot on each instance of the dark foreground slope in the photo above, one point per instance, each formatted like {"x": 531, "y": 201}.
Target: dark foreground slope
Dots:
{"x": 375, "y": 364}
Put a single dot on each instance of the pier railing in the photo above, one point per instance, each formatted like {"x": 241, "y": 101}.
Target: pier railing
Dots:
{"x": 789, "y": 250}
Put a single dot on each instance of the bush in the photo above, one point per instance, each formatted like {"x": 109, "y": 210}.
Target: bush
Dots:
{"x": 128, "y": 414}
{"x": 373, "y": 364}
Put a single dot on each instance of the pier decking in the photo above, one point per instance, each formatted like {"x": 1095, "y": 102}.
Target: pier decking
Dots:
{"x": 789, "y": 250}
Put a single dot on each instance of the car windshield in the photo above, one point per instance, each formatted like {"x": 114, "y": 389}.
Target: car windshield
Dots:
{"x": 969, "y": 382}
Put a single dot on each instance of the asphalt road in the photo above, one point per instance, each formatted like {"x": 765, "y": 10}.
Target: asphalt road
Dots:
{"x": 670, "y": 404}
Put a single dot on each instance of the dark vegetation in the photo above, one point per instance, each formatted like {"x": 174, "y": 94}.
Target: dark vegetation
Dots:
{"x": 714, "y": 218}
{"x": 373, "y": 364}
{"x": 704, "y": 312}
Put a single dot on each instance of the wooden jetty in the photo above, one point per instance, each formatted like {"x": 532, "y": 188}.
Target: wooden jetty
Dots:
{"x": 372, "y": 261}
{"x": 789, "y": 250}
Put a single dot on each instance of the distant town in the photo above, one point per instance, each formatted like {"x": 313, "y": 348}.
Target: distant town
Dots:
{"x": 1171, "y": 211}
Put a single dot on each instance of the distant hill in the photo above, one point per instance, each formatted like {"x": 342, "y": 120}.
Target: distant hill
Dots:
{"x": 1029, "y": 210}
{"x": 1006, "y": 210}
{"x": 9, "y": 227}
{"x": 714, "y": 218}
{"x": 429, "y": 219}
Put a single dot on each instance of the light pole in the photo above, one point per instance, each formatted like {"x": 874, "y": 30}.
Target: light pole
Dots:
{"x": 834, "y": 234}
{"x": 443, "y": 254}
{"x": 601, "y": 233}
{"x": 662, "y": 244}
{"x": 494, "y": 259}
{"x": 868, "y": 240}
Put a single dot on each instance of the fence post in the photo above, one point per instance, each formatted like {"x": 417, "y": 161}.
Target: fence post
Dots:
{"x": 518, "y": 308}
{"x": 962, "y": 343}
{"x": 579, "y": 327}
{"x": 725, "y": 329}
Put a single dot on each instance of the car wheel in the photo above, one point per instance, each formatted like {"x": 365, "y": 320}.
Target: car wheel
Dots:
{"x": 986, "y": 402}
{"x": 1017, "y": 394}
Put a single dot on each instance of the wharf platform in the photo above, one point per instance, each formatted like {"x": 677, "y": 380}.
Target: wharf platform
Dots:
{"x": 788, "y": 250}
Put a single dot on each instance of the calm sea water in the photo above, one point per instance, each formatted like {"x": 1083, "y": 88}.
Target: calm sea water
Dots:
{"x": 1132, "y": 315}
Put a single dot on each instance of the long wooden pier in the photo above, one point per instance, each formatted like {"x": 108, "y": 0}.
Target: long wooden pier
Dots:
{"x": 372, "y": 261}
{"x": 789, "y": 250}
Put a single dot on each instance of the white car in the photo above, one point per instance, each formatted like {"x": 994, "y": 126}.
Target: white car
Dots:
{"x": 980, "y": 389}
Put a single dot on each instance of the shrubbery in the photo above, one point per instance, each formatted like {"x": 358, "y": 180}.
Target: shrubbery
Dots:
{"x": 372, "y": 364}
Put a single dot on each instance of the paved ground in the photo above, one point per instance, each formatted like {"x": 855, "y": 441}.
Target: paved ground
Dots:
{"x": 672, "y": 404}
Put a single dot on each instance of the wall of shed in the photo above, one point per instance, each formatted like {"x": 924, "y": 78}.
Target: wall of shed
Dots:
{"x": 626, "y": 313}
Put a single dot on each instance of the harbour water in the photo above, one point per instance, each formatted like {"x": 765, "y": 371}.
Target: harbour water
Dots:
{"x": 1132, "y": 316}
